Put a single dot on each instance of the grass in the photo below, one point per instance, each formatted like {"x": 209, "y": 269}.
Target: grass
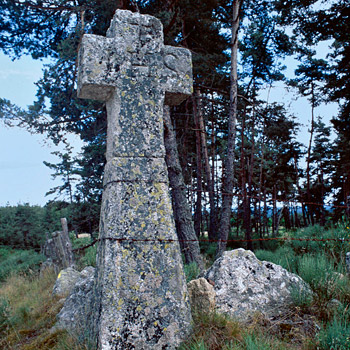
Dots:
{"x": 336, "y": 335}
{"x": 191, "y": 271}
{"x": 284, "y": 256}
{"x": 28, "y": 310}
{"x": 322, "y": 265}
{"x": 215, "y": 331}
{"x": 86, "y": 257}
{"x": 28, "y": 313}
{"x": 18, "y": 261}
{"x": 212, "y": 331}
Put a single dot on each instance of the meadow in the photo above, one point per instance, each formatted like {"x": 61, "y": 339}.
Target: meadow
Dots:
{"x": 28, "y": 310}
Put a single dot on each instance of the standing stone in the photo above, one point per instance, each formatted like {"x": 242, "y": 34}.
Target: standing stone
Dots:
{"x": 141, "y": 299}
{"x": 347, "y": 262}
{"x": 66, "y": 244}
{"x": 58, "y": 249}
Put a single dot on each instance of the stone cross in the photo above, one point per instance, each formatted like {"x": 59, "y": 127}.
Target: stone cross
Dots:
{"x": 141, "y": 297}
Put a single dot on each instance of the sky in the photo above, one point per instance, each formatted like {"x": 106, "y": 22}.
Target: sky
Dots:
{"x": 23, "y": 176}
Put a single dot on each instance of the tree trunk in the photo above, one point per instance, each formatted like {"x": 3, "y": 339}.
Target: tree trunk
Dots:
{"x": 208, "y": 173}
{"x": 265, "y": 220}
{"x": 244, "y": 191}
{"x": 182, "y": 211}
{"x": 278, "y": 220}
{"x": 286, "y": 216}
{"x": 310, "y": 208}
{"x": 274, "y": 211}
{"x": 261, "y": 173}
{"x": 347, "y": 196}
{"x": 228, "y": 178}
{"x": 323, "y": 215}
{"x": 198, "y": 207}
{"x": 250, "y": 187}
{"x": 299, "y": 191}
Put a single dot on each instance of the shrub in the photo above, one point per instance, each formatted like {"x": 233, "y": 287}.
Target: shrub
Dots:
{"x": 315, "y": 269}
{"x": 212, "y": 331}
{"x": 191, "y": 271}
{"x": 301, "y": 297}
{"x": 19, "y": 261}
{"x": 253, "y": 342}
{"x": 4, "y": 253}
{"x": 335, "y": 336}
{"x": 208, "y": 249}
{"x": 28, "y": 313}
{"x": 334, "y": 248}
{"x": 4, "y": 315}
{"x": 283, "y": 256}
{"x": 88, "y": 257}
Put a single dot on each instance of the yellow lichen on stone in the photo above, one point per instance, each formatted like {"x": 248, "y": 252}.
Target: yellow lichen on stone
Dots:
{"x": 125, "y": 253}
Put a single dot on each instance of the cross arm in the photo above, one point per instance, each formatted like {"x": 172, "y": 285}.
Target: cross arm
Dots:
{"x": 99, "y": 63}
{"x": 177, "y": 74}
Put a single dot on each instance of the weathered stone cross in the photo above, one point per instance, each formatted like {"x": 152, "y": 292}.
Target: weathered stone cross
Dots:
{"x": 140, "y": 292}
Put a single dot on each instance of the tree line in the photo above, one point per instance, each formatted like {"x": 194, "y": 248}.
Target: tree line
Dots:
{"x": 240, "y": 168}
{"x": 26, "y": 226}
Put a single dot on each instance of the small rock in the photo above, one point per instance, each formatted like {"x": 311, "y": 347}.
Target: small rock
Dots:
{"x": 202, "y": 295}
{"x": 65, "y": 282}
{"x": 338, "y": 276}
{"x": 334, "y": 304}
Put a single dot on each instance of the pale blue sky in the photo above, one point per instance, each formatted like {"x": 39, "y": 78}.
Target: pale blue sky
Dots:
{"x": 24, "y": 177}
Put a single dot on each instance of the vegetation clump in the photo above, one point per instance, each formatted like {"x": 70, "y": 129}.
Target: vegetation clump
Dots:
{"x": 28, "y": 310}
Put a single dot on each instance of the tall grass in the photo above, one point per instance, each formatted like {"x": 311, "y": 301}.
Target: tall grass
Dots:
{"x": 213, "y": 331}
{"x": 28, "y": 313}
{"x": 28, "y": 310}
{"x": 284, "y": 256}
{"x": 191, "y": 271}
{"x": 336, "y": 335}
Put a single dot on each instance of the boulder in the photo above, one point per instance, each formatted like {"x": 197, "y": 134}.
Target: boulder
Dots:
{"x": 65, "y": 282}
{"x": 202, "y": 295}
{"x": 245, "y": 285}
{"x": 76, "y": 310}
